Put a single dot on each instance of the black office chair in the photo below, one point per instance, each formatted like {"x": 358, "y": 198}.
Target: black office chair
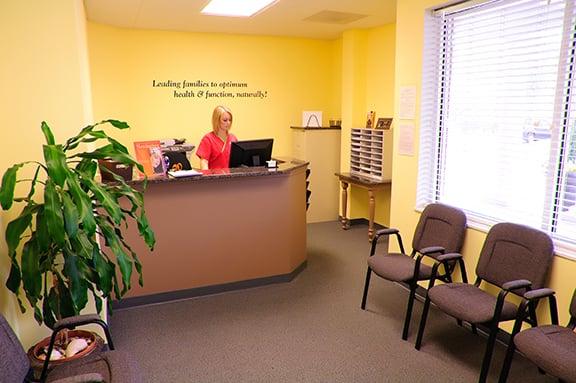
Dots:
{"x": 110, "y": 366}
{"x": 440, "y": 229}
{"x": 551, "y": 347}
{"x": 514, "y": 258}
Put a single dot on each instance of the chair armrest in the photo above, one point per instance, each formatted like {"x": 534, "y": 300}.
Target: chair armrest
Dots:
{"x": 539, "y": 294}
{"x": 387, "y": 231}
{"x": 84, "y": 378}
{"x": 448, "y": 257}
{"x": 78, "y": 320}
{"x": 432, "y": 250}
{"x": 517, "y": 284}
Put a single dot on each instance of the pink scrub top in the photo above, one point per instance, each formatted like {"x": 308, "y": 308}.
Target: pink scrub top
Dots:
{"x": 217, "y": 153}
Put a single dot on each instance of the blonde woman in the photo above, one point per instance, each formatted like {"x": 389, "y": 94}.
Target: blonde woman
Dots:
{"x": 214, "y": 148}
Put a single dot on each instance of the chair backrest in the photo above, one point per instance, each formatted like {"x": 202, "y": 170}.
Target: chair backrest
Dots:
{"x": 512, "y": 251}
{"x": 440, "y": 225}
{"x": 14, "y": 364}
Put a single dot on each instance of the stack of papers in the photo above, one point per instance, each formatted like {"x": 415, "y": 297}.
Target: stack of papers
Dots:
{"x": 184, "y": 173}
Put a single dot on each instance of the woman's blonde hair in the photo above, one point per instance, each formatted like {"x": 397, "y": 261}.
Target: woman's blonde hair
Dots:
{"x": 218, "y": 111}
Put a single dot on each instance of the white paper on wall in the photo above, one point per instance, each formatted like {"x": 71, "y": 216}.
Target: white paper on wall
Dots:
{"x": 407, "y": 103}
{"x": 406, "y": 139}
{"x": 311, "y": 118}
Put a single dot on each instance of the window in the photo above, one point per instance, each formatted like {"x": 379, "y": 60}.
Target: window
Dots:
{"x": 498, "y": 134}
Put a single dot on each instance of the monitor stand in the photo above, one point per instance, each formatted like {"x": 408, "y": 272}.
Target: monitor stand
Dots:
{"x": 256, "y": 161}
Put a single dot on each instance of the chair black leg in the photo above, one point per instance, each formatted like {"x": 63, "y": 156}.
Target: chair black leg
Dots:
{"x": 507, "y": 362}
{"x": 408, "y": 316}
{"x": 488, "y": 353}
{"x": 366, "y": 285}
{"x": 422, "y": 323}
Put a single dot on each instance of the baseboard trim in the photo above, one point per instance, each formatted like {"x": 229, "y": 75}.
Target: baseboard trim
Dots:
{"x": 205, "y": 290}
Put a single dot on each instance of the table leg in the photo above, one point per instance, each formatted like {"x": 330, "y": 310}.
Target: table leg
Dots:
{"x": 344, "y": 217}
{"x": 371, "y": 209}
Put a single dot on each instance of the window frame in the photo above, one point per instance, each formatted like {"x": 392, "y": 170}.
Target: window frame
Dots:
{"x": 435, "y": 80}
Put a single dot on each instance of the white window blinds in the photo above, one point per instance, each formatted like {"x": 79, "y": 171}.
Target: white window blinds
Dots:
{"x": 498, "y": 135}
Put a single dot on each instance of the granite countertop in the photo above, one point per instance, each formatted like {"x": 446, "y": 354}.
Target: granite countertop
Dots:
{"x": 285, "y": 166}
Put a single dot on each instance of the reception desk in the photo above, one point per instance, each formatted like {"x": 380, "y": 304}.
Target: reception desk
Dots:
{"x": 223, "y": 230}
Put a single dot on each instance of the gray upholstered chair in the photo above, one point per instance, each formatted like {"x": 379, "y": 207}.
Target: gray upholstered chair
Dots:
{"x": 550, "y": 347}
{"x": 110, "y": 366}
{"x": 515, "y": 259}
{"x": 440, "y": 229}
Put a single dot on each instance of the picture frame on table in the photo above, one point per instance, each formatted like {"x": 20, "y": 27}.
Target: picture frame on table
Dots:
{"x": 383, "y": 123}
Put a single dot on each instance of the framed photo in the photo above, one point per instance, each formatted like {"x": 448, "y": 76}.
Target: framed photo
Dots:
{"x": 370, "y": 119}
{"x": 384, "y": 123}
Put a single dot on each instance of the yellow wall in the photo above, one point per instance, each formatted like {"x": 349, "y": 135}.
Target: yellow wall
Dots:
{"x": 44, "y": 76}
{"x": 57, "y": 68}
{"x": 367, "y": 84}
{"x": 293, "y": 74}
{"x": 409, "y": 46}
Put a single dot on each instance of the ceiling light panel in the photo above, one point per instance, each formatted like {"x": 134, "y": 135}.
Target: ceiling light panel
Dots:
{"x": 235, "y": 8}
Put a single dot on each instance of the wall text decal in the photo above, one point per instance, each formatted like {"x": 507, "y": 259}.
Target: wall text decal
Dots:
{"x": 205, "y": 90}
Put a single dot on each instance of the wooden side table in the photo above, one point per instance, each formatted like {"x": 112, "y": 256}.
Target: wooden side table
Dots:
{"x": 371, "y": 185}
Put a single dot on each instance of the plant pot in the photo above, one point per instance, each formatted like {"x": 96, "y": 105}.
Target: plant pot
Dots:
{"x": 124, "y": 171}
{"x": 96, "y": 345}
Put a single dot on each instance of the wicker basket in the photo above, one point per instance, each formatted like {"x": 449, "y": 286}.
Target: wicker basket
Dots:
{"x": 36, "y": 363}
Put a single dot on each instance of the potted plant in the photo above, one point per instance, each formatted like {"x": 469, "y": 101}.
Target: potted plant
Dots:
{"x": 53, "y": 244}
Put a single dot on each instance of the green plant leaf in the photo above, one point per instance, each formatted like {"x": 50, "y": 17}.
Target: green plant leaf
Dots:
{"x": 31, "y": 276}
{"x": 51, "y": 307}
{"x": 105, "y": 272}
{"x": 77, "y": 284}
{"x": 99, "y": 134}
{"x": 14, "y": 279}
{"x": 115, "y": 245}
{"x": 146, "y": 231}
{"x": 73, "y": 142}
{"x": 53, "y": 213}
{"x": 82, "y": 245}
{"x": 118, "y": 124}
{"x": 8, "y": 185}
{"x": 106, "y": 200}
{"x": 97, "y": 300}
{"x": 43, "y": 238}
{"x": 38, "y": 314}
{"x": 71, "y": 218}
{"x": 117, "y": 145}
{"x": 86, "y": 168}
{"x": 15, "y": 229}
{"x": 56, "y": 163}
{"x": 66, "y": 307}
{"x": 83, "y": 204}
{"x": 47, "y": 133}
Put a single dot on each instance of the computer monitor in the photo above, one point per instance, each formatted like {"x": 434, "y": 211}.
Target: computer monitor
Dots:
{"x": 251, "y": 152}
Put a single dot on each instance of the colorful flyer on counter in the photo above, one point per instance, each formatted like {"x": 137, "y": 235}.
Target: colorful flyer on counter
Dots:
{"x": 149, "y": 154}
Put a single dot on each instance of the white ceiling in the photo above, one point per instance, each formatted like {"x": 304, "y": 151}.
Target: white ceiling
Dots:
{"x": 284, "y": 18}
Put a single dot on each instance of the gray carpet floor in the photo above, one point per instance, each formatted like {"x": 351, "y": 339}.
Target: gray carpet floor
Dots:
{"x": 309, "y": 330}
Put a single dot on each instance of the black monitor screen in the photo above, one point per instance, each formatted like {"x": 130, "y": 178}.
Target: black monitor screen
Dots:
{"x": 251, "y": 152}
